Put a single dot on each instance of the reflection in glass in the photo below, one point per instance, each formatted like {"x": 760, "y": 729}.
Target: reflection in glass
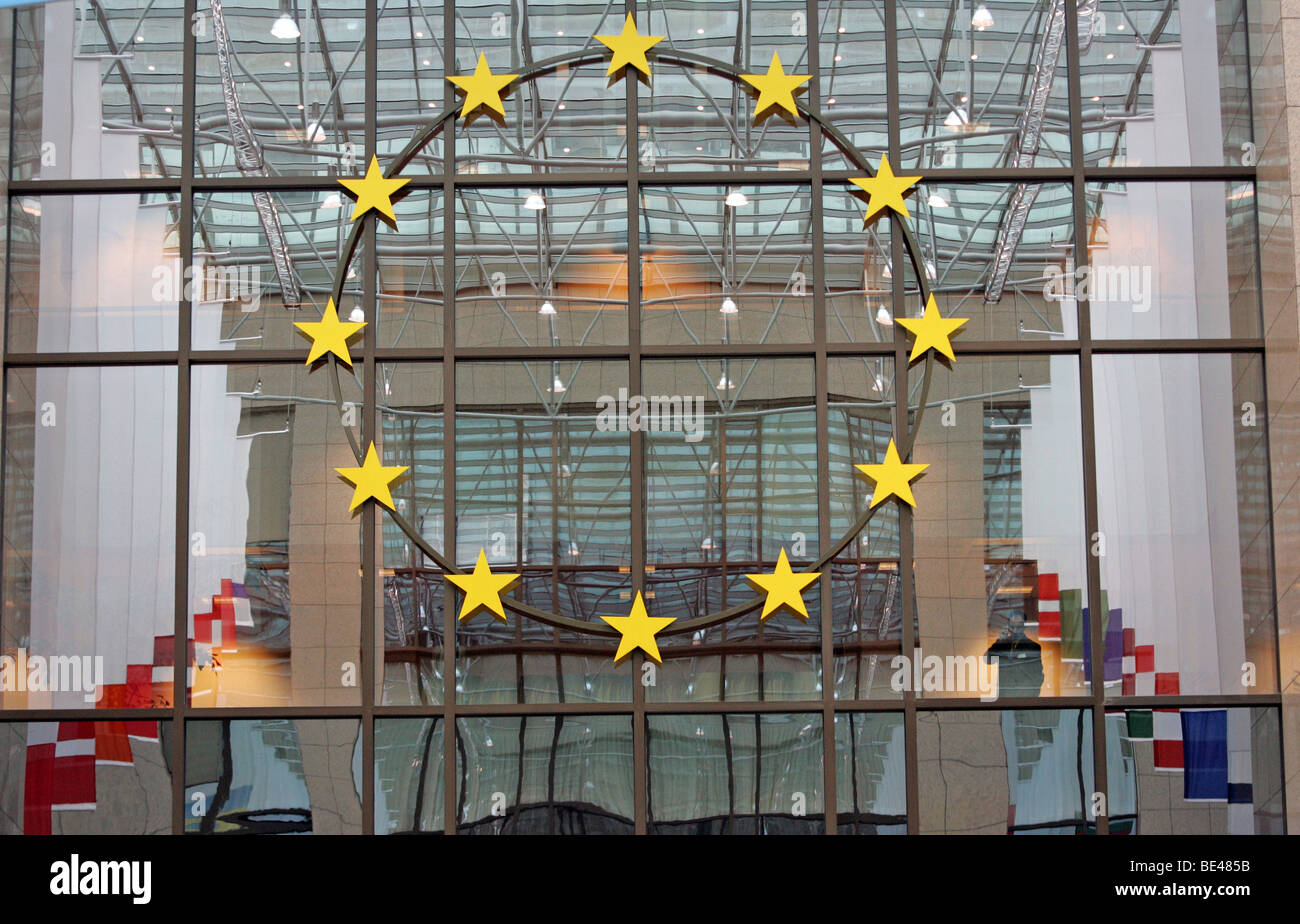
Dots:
{"x": 85, "y": 777}
{"x": 409, "y": 781}
{"x": 97, "y": 90}
{"x": 958, "y": 106}
{"x": 93, "y": 273}
{"x": 1194, "y": 771}
{"x": 274, "y": 596}
{"x": 410, "y": 81}
{"x": 273, "y": 776}
{"x": 411, "y": 426}
{"x": 999, "y": 524}
{"x": 280, "y": 100}
{"x": 854, "y": 83}
{"x": 730, "y": 483}
{"x": 557, "y": 774}
{"x": 729, "y": 265}
{"x": 1169, "y": 260}
{"x": 871, "y": 773}
{"x": 1183, "y": 503}
{"x": 89, "y": 531}
{"x": 1009, "y": 772}
{"x": 263, "y": 260}
{"x": 543, "y": 489}
{"x": 1165, "y": 84}
{"x": 735, "y": 774}
{"x": 541, "y": 267}
{"x": 866, "y": 583}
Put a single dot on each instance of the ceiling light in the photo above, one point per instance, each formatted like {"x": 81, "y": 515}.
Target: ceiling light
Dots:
{"x": 843, "y": 29}
{"x": 557, "y": 387}
{"x": 982, "y": 19}
{"x": 725, "y": 384}
{"x": 729, "y": 306}
{"x": 937, "y": 201}
{"x": 288, "y": 64}
{"x": 567, "y": 150}
{"x": 573, "y": 549}
{"x": 315, "y": 134}
{"x": 151, "y": 68}
{"x": 831, "y": 101}
{"x": 419, "y": 35}
{"x": 357, "y": 315}
{"x": 974, "y": 57}
{"x": 547, "y": 309}
{"x": 839, "y": 57}
{"x": 957, "y": 118}
{"x": 736, "y": 199}
{"x": 332, "y": 201}
{"x": 929, "y": 270}
{"x": 425, "y": 62}
{"x": 561, "y": 106}
{"x": 706, "y": 544}
{"x": 534, "y": 201}
{"x": 884, "y": 317}
{"x": 285, "y": 27}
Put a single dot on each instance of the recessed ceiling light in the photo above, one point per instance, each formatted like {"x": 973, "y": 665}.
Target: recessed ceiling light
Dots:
{"x": 561, "y": 106}
{"x": 425, "y": 62}
{"x": 700, "y": 108}
{"x": 288, "y": 64}
{"x": 152, "y": 68}
{"x": 839, "y": 57}
{"x": 566, "y": 150}
{"x": 419, "y": 35}
{"x": 843, "y": 29}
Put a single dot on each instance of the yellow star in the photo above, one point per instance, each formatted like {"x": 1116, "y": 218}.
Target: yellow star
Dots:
{"x": 932, "y": 331}
{"x": 629, "y": 47}
{"x": 372, "y": 479}
{"x": 885, "y": 190}
{"x": 373, "y": 191}
{"x": 893, "y": 477}
{"x": 483, "y": 589}
{"x": 776, "y": 87}
{"x": 638, "y": 630}
{"x": 784, "y": 588}
{"x": 482, "y": 88}
{"x": 329, "y": 334}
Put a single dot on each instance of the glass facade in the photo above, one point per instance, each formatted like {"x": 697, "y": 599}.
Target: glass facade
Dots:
{"x": 1094, "y": 533}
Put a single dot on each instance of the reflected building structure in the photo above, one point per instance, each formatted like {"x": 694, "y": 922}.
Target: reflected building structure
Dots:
{"x": 1107, "y": 514}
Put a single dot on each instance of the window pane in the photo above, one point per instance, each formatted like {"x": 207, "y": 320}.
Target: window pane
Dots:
{"x": 409, "y": 782}
{"x": 735, "y": 774}
{"x": 97, "y": 90}
{"x": 93, "y": 273}
{"x": 85, "y": 778}
{"x": 1194, "y": 771}
{"x": 274, "y": 596}
{"x": 854, "y": 85}
{"x": 272, "y": 776}
{"x": 1182, "y": 492}
{"x": 89, "y": 530}
{"x": 871, "y": 773}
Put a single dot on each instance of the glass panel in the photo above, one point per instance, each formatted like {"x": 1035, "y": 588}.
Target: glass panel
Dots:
{"x": 983, "y": 86}
{"x": 1182, "y": 493}
{"x": 735, "y": 774}
{"x": 1165, "y": 84}
{"x": 854, "y": 84}
{"x": 541, "y": 267}
{"x": 410, "y": 82}
{"x": 97, "y": 90}
{"x": 1169, "y": 260}
{"x": 730, "y": 265}
{"x": 547, "y": 775}
{"x": 277, "y": 96}
{"x": 273, "y": 776}
{"x": 988, "y": 251}
{"x": 411, "y": 273}
{"x": 93, "y": 273}
{"x": 414, "y": 592}
{"x": 85, "y": 778}
{"x": 871, "y": 773}
{"x": 409, "y": 781}
{"x": 264, "y": 260}
{"x": 543, "y": 490}
{"x": 692, "y": 119}
{"x": 866, "y": 584}
{"x": 1005, "y": 772}
{"x": 89, "y": 533}
{"x": 567, "y": 118}
{"x": 1194, "y": 771}
{"x": 1001, "y": 570}
{"x": 730, "y": 483}
{"x": 274, "y": 595}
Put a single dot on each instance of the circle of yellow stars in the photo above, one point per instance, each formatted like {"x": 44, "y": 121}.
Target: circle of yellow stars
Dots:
{"x": 784, "y": 588}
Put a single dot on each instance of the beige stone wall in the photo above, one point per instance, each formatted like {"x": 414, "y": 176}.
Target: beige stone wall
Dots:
{"x": 1275, "y": 47}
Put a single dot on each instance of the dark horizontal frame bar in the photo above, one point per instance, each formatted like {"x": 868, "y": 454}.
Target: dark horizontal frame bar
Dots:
{"x": 974, "y": 350}
{"x": 618, "y": 178}
{"x": 733, "y": 707}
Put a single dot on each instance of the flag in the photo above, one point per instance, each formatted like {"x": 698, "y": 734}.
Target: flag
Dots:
{"x": 1167, "y": 750}
{"x": 1049, "y": 607}
{"x": 1205, "y": 755}
{"x": 1072, "y": 625}
{"x": 1140, "y": 724}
